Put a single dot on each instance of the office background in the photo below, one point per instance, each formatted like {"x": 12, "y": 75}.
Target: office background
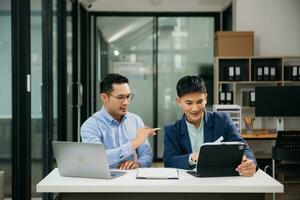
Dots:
{"x": 153, "y": 42}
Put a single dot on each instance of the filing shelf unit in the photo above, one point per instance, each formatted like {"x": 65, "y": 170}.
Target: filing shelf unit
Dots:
{"x": 234, "y": 112}
{"x": 247, "y": 81}
{"x": 248, "y": 66}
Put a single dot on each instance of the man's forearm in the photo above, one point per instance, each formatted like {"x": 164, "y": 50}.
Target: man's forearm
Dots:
{"x": 119, "y": 154}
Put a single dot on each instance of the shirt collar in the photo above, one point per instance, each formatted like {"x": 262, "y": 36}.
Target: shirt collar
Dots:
{"x": 192, "y": 125}
{"x": 109, "y": 118}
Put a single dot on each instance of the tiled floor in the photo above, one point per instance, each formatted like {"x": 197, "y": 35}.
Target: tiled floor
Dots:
{"x": 291, "y": 192}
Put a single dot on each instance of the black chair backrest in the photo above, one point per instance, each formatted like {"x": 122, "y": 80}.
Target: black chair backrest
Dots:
{"x": 287, "y": 146}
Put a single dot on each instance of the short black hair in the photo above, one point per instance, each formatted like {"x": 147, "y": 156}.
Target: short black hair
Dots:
{"x": 106, "y": 85}
{"x": 190, "y": 84}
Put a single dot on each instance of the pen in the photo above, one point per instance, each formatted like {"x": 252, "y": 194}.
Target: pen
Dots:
{"x": 219, "y": 140}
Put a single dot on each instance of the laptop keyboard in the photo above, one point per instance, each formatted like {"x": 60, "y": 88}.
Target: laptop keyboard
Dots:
{"x": 115, "y": 174}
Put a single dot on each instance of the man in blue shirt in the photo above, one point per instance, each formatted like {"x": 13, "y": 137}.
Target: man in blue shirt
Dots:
{"x": 122, "y": 133}
{"x": 183, "y": 138}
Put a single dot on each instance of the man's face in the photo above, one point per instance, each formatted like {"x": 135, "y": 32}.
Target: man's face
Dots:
{"x": 193, "y": 106}
{"x": 117, "y": 102}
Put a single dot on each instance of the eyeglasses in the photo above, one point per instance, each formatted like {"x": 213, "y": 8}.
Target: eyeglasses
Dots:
{"x": 122, "y": 98}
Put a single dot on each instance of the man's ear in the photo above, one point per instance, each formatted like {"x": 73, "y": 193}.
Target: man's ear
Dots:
{"x": 103, "y": 97}
{"x": 178, "y": 101}
{"x": 206, "y": 98}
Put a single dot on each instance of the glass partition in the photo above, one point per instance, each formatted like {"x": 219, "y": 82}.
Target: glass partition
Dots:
{"x": 36, "y": 96}
{"x": 185, "y": 47}
{"x": 129, "y": 52}
{"x": 6, "y": 96}
{"x": 54, "y": 27}
{"x": 69, "y": 70}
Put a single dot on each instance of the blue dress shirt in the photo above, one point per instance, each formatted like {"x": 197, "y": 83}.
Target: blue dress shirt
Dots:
{"x": 102, "y": 128}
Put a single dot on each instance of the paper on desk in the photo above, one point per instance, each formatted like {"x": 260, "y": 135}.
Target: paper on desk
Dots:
{"x": 157, "y": 173}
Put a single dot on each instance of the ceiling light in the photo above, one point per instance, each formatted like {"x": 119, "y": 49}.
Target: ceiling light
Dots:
{"x": 116, "y": 52}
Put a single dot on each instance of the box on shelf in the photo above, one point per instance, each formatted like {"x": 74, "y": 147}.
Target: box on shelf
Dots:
{"x": 229, "y": 43}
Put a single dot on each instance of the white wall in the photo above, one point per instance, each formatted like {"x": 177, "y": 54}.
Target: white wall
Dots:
{"x": 275, "y": 24}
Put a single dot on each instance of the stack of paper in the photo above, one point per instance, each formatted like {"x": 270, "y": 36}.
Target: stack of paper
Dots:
{"x": 157, "y": 173}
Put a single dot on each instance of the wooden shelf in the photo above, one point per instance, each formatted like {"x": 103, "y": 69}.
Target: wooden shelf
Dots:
{"x": 226, "y": 82}
{"x": 264, "y": 82}
{"x": 256, "y": 82}
{"x": 231, "y": 82}
{"x": 291, "y": 81}
{"x": 259, "y": 134}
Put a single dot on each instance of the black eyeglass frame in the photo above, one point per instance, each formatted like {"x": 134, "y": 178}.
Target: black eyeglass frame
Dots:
{"x": 122, "y": 98}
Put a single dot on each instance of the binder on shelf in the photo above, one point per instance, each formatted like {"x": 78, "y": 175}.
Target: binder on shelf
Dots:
{"x": 259, "y": 74}
{"x": 272, "y": 73}
{"x": 230, "y": 73}
{"x": 222, "y": 74}
{"x": 237, "y": 73}
{"x": 287, "y": 72}
{"x": 252, "y": 98}
{"x": 294, "y": 73}
{"x": 229, "y": 99}
{"x": 266, "y": 73}
{"x": 222, "y": 98}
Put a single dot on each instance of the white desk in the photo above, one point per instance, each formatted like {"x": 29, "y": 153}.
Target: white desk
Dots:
{"x": 187, "y": 187}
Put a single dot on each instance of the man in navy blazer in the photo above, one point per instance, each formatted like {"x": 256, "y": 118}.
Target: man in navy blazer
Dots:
{"x": 183, "y": 137}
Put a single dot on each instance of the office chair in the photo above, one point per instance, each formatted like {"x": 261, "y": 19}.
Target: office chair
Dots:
{"x": 286, "y": 154}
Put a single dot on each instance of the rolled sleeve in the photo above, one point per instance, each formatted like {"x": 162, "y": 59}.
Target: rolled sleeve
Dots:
{"x": 145, "y": 155}
{"x": 119, "y": 154}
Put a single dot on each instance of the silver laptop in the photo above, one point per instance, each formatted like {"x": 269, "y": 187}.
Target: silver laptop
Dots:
{"x": 83, "y": 160}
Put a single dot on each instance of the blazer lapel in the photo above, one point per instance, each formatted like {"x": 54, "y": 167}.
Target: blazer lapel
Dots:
{"x": 208, "y": 127}
{"x": 184, "y": 135}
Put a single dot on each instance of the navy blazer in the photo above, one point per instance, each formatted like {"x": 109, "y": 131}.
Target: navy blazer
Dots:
{"x": 177, "y": 145}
